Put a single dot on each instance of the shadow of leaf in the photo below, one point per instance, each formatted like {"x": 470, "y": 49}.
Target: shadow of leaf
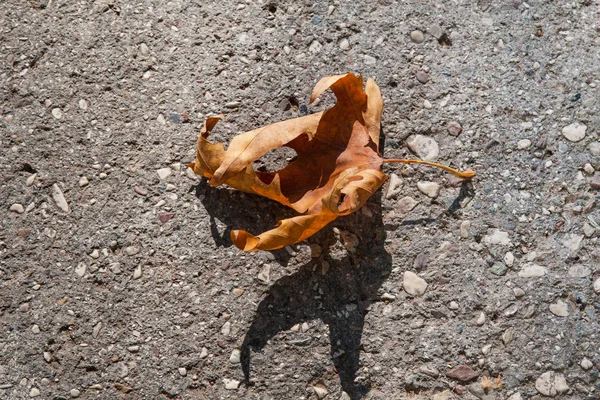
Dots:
{"x": 348, "y": 288}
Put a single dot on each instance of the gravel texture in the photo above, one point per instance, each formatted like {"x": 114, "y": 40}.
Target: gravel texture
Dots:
{"x": 117, "y": 275}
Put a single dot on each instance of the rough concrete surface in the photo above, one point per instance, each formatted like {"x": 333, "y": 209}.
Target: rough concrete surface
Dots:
{"x": 118, "y": 278}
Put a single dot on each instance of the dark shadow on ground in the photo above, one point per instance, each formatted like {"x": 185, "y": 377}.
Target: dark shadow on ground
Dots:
{"x": 239, "y": 210}
{"x": 348, "y": 288}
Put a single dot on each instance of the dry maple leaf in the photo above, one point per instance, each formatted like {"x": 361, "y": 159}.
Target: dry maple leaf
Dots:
{"x": 337, "y": 169}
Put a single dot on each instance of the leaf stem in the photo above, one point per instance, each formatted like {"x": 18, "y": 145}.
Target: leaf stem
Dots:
{"x": 468, "y": 174}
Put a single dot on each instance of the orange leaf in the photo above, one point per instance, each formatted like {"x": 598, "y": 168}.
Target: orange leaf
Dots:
{"x": 337, "y": 169}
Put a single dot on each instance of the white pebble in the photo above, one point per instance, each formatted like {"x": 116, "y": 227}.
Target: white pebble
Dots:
{"x": 231, "y": 384}
{"x": 574, "y": 132}
{"x": 164, "y": 173}
{"x": 523, "y": 144}
{"x": 560, "y": 309}
{"x": 137, "y": 273}
{"x": 431, "y": 189}
{"x": 57, "y": 113}
{"x": 18, "y": 208}
{"x": 413, "y": 284}
{"x": 424, "y": 147}
{"x": 551, "y": 383}
{"x": 59, "y": 198}
{"x": 586, "y": 364}
{"x": 235, "y": 357}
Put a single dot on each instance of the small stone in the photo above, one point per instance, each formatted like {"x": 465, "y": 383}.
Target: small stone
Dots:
{"x": 226, "y": 328}
{"x": 586, "y": 364}
{"x": 551, "y": 383}
{"x": 320, "y": 390}
{"x": 132, "y": 250}
{"x": 499, "y": 269}
{"x": 231, "y": 384}
{"x": 83, "y": 181}
{"x": 507, "y": 336}
{"x": 57, "y": 113}
{"x": 464, "y": 229}
{"x": 182, "y": 371}
{"x": 233, "y": 104}
{"x": 265, "y": 274}
{"x": 161, "y": 119}
{"x": 387, "y": 297}
{"x": 579, "y": 271}
{"x": 315, "y": 47}
{"x": 166, "y": 217}
{"x": 422, "y": 77}
{"x": 34, "y": 392}
{"x": 95, "y": 254}
{"x": 31, "y": 179}
{"x": 140, "y": 190}
{"x": 462, "y": 373}
{"x": 413, "y": 284}
{"x": 235, "y": 357}
{"x": 24, "y": 307}
{"x": 594, "y": 148}
{"x": 532, "y": 271}
{"x": 369, "y": 60}
{"x": 17, "y": 208}
{"x": 424, "y": 147}
{"x": 453, "y": 305}
{"x": 427, "y": 104}
{"x": 574, "y": 132}
{"x": 59, "y": 198}
{"x": 511, "y": 310}
{"x": 454, "y": 128}
{"x": 203, "y": 353}
{"x": 595, "y": 183}
{"x": 515, "y": 396}
{"x": 572, "y": 242}
{"x": 560, "y": 309}
{"x": 75, "y": 393}
{"x": 417, "y": 36}
{"x": 144, "y": 50}
{"x": 518, "y": 292}
{"x": 394, "y": 186}
{"x": 481, "y": 319}
{"x": 97, "y": 329}
{"x": 164, "y": 173}
{"x": 133, "y": 349}
{"x": 238, "y": 292}
{"x": 589, "y": 169}
{"x": 35, "y": 329}
{"x": 344, "y": 44}
{"x": 81, "y": 269}
{"x": 83, "y": 104}
{"x": 47, "y": 356}
{"x": 137, "y": 273}
{"x": 597, "y": 285}
{"x": 509, "y": 259}
{"x": 497, "y": 237}
{"x": 523, "y": 144}
{"x": 431, "y": 189}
